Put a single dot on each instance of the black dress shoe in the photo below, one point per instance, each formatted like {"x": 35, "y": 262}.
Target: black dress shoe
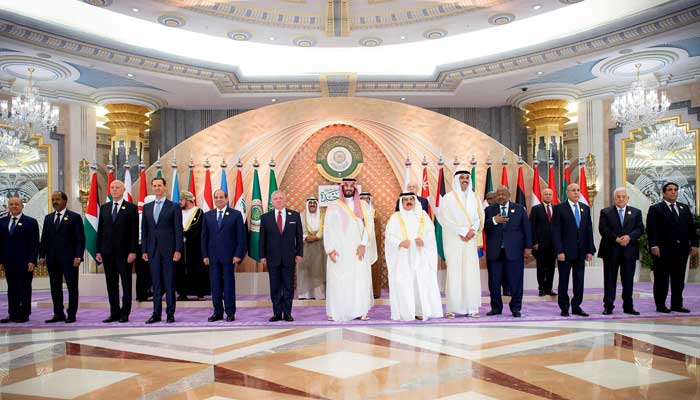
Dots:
{"x": 680, "y": 309}
{"x": 551, "y": 293}
{"x": 631, "y": 311}
{"x": 70, "y": 319}
{"x": 607, "y": 311}
{"x": 493, "y": 312}
{"x": 123, "y": 319}
{"x": 564, "y": 313}
{"x": 170, "y": 319}
{"x": 580, "y": 313}
{"x": 153, "y": 320}
{"x": 5, "y": 320}
{"x": 110, "y": 319}
{"x": 230, "y": 318}
{"x": 540, "y": 293}
{"x": 56, "y": 318}
{"x": 517, "y": 314}
{"x": 21, "y": 320}
{"x": 663, "y": 310}
{"x": 215, "y": 317}
{"x": 289, "y": 318}
{"x": 182, "y": 297}
{"x": 275, "y": 318}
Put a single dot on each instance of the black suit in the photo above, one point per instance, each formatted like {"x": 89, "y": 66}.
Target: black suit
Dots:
{"x": 160, "y": 240}
{"x": 115, "y": 241}
{"x": 674, "y": 235}
{"x": 542, "y": 237}
{"x": 280, "y": 250}
{"x": 192, "y": 277}
{"x": 616, "y": 256}
{"x": 60, "y": 244}
{"x": 17, "y": 250}
{"x": 425, "y": 203}
{"x": 575, "y": 242}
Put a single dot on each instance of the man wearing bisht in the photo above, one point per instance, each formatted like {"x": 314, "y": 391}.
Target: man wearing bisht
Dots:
{"x": 462, "y": 219}
{"x": 311, "y": 271}
{"x": 373, "y": 245}
{"x": 348, "y": 229}
{"x": 192, "y": 277}
{"x": 411, "y": 258}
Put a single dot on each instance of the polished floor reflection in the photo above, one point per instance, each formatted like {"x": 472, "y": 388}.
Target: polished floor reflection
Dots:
{"x": 650, "y": 358}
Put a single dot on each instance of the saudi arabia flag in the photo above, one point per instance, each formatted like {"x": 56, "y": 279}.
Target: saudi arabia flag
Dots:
{"x": 92, "y": 211}
{"x": 256, "y": 212}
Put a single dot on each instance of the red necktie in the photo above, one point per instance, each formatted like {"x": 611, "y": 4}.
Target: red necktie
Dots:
{"x": 279, "y": 221}
{"x": 549, "y": 213}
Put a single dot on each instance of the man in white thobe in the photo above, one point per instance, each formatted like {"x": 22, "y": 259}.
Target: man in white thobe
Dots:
{"x": 462, "y": 218}
{"x": 311, "y": 271}
{"x": 411, "y": 258}
{"x": 374, "y": 243}
{"x": 348, "y": 228}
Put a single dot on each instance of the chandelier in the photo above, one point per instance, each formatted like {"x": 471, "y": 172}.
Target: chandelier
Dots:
{"x": 28, "y": 114}
{"x": 669, "y": 137}
{"x": 640, "y": 106}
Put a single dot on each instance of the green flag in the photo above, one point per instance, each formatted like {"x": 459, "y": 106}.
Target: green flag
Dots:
{"x": 256, "y": 212}
{"x": 271, "y": 188}
{"x": 438, "y": 228}
{"x": 488, "y": 185}
{"x": 474, "y": 179}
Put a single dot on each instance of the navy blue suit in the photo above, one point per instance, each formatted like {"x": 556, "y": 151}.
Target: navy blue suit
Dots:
{"x": 575, "y": 243}
{"x": 160, "y": 240}
{"x": 505, "y": 245}
{"x": 281, "y": 251}
{"x": 60, "y": 245}
{"x": 17, "y": 250}
{"x": 220, "y": 244}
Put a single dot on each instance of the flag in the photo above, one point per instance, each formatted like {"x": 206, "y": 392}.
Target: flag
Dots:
{"x": 127, "y": 185}
{"x": 439, "y": 193}
{"x": 239, "y": 198}
{"x": 256, "y": 212}
{"x": 224, "y": 181}
{"x": 552, "y": 184}
{"x": 425, "y": 191}
{"x": 504, "y": 175}
{"x": 190, "y": 186}
{"x": 142, "y": 189}
{"x": 208, "y": 203}
{"x": 536, "y": 197}
{"x": 110, "y": 179}
{"x": 567, "y": 179}
{"x": 520, "y": 190}
{"x": 175, "y": 194}
{"x": 92, "y": 212}
{"x": 480, "y": 249}
{"x": 271, "y": 188}
{"x": 488, "y": 185}
{"x": 582, "y": 184}
{"x": 159, "y": 173}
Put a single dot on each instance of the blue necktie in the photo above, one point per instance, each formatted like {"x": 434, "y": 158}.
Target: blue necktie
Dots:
{"x": 622, "y": 216}
{"x": 220, "y": 218}
{"x": 13, "y": 225}
{"x": 577, "y": 214}
{"x": 156, "y": 210}
{"x": 115, "y": 211}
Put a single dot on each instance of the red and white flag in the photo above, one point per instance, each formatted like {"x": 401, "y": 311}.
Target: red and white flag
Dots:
{"x": 239, "y": 197}
{"x": 208, "y": 203}
{"x": 127, "y": 185}
{"x": 142, "y": 189}
{"x": 582, "y": 183}
{"x": 536, "y": 197}
{"x": 425, "y": 191}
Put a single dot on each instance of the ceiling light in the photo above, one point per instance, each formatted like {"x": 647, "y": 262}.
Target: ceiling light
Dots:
{"x": 540, "y": 72}
{"x": 135, "y": 9}
{"x": 272, "y": 38}
{"x": 130, "y": 75}
{"x": 274, "y": 100}
{"x": 537, "y": 7}
{"x": 640, "y": 106}
{"x": 403, "y": 37}
{"x": 403, "y": 99}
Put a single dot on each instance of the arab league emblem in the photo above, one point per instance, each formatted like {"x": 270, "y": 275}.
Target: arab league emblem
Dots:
{"x": 339, "y": 157}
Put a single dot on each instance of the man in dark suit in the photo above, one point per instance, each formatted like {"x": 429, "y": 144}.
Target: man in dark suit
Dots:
{"x": 117, "y": 245}
{"x": 413, "y": 188}
{"x": 161, "y": 239}
{"x": 672, "y": 237}
{"x": 620, "y": 228}
{"x": 508, "y": 241}
{"x": 572, "y": 235}
{"x": 223, "y": 246}
{"x": 541, "y": 217}
{"x": 281, "y": 248}
{"x": 61, "y": 250}
{"x": 19, "y": 248}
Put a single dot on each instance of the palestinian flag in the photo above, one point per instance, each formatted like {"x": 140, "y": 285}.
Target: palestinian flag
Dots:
{"x": 92, "y": 212}
{"x": 110, "y": 179}
{"x": 488, "y": 186}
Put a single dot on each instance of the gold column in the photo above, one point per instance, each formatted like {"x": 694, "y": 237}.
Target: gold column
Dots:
{"x": 546, "y": 118}
{"x": 128, "y": 123}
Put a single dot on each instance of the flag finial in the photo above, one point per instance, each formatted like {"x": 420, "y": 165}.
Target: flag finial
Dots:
{"x": 239, "y": 164}
{"x": 408, "y": 161}
{"x": 272, "y": 163}
{"x": 223, "y": 163}
{"x": 441, "y": 161}
{"x": 455, "y": 162}
{"x": 206, "y": 163}
{"x": 425, "y": 161}
{"x": 256, "y": 164}
{"x": 473, "y": 161}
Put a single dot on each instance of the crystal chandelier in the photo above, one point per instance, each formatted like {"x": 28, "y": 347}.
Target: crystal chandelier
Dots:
{"x": 669, "y": 137}
{"x": 28, "y": 114}
{"x": 640, "y": 106}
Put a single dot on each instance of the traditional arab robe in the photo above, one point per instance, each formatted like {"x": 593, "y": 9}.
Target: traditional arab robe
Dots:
{"x": 311, "y": 271}
{"x": 347, "y": 225}
{"x": 192, "y": 276}
{"x": 413, "y": 283}
{"x": 372, "y": 247}
{"x": 459, "y": 212}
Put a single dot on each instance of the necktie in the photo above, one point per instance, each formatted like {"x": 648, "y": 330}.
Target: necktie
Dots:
{"x": 220, "y": 218}
{"x": 279, "y": 221}
{"x": 674, "y": 212}
{"x": 577, "y": 214}
{"x": 57, "y": 220}
{"x": 621, "y": 212}
{"x": 115, "y": 211}
{"x": 13, "y": 225}
{"x": 504, "y": 213}
{"x": 549, "y": 213}
{"x": 156, "y": 210}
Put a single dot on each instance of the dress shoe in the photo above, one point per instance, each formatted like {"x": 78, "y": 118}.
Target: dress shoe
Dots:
{"x": 70, "y": 319}
{"x": 153, "y": 320}
{"x": 517, "y": 314}
{"x": 663, "y": 310}
{"x": 607, "y": 311}
{"x": 631, "y": 311}
{"x": 580, "y": 313}
{"x": 230, "y": 318}
{"x": 564, "y": 313}
{"x": 289, "y": 318}
{"x": 123, "y": 319}
{"x": 21, "y": 320}
{"x": 170, "y": 319}
{"x": 110, "y": 319}
{"x": 493, "y": 312}
{"x": 275, "y": 318}
{"x": 541, "y": 293}
{"x": 182, "y": 297}
{"x": 56, "y": 318}
{"x": 5, "y": 320}
{"x": 215, "y": 317}
{"x": 551, "y": 293}
{"x": 680, "y": 309}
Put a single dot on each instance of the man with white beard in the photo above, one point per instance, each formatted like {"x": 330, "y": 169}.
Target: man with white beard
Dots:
{"x": 462, "y": 219}
{"x": 348, "y": 228}
{"x": 411, "y": 258}
{"x": 311, "y": 271}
